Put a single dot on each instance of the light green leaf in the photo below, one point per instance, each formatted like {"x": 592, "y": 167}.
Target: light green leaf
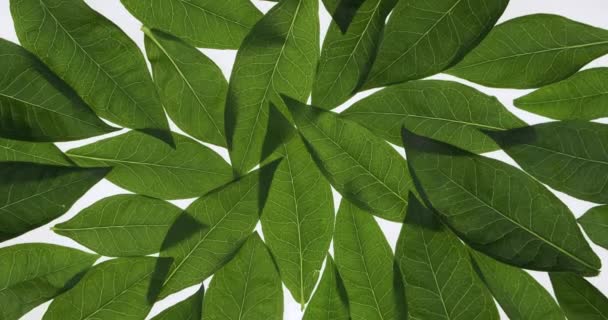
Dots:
{"x": 463, "y": 112}
{"x": 583, "y": 96}
{"x": 595, "y": 224}
{"x": 147, "y": 166}
{"x": 439, "y": 280}
{"x": 247, "y": 288}
{"x": 203, "y": 23}
{"x": 330, "y": 301}
{"x": 578, "y": 298}
{"x": 31, "y": 195}
{"x": 348, "y": 55}
{"x": 279, "y": 56}
{"x": 425, "y": 37}
{"x": 498, "y": 209}
{"x": 519, "y": 295}
{"x": 122, "y": 225}
{"x": 34, "y": 152}
{"x": 362, "y": 167}
{"x": 36, "y": 105}
{"x": 568, "y": 156}
{"x": 189, "y": 309}
{"x": 532, "y": 51}
{"x": 191, "y": 87}
{"x": 31, "y": 274}
{"x": 95, "y": 57}
{"x": 365, "y": 262}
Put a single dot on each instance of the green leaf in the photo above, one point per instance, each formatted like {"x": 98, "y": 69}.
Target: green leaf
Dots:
{"x": 519, "y": 295}
{"x": 532, "y": 51}
{"x": 595, "y": 224}
{"x": 578, "y": 298}
{"x": 498, "y": 209}
{"x": 439, "y": 280}
{"x": 568, "y": 156}
{"x": 247, "y": 288}
{"x": 365, "y": 262}
{"x": 122, "y": 225}
{"x": 189, "y": 309}
{"x": 191, "y": 87}
{"x": 347, "y": 56}
{"x": 36, "y": 105}
{"x": 343, "y": 11}
{"x": 298, "y": 219}
{"x": 31, "y": 195}
{"x": 330, "y": 301}
{"x": 279, "y": 56}
{"x": 464, "y": 111}
{"x": 31, "y": 274}
{"x": 96, "y": 58}
{"x": 425, "y": 37}
{"x": 34, "y": 152}
{"x": 147, "y": 166}
{"x": 117, "y": 289}
{"x": 583, "y": 96}
{"x": 203, "y": 23}
{"x": 362, "y": 167}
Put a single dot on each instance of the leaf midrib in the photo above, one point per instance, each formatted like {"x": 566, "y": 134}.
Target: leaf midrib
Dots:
{"x": 465, "y": 123}
{"x": 605, "y": 163}
{"x": 9, "y": 148}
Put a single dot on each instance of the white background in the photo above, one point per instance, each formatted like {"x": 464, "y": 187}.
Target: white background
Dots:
{"x": 592, "y": 12}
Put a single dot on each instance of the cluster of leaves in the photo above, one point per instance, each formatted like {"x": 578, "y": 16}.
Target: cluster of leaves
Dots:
{"x": 470, "y": 224}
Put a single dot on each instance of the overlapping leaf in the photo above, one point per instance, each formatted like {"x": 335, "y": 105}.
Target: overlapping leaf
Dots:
{"x": 34, "y": 152}
{"x": 595, "y": 224}
{"x": 330, "y": 301}
{"x": 579, "y": 299}
{"x": 189, "y": 309}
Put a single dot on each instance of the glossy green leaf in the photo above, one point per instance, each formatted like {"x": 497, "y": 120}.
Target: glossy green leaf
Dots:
{"x": 189, "y": 309}
{"x": 147, "y": 166}
{"x": 578, "y": 298}
{"x": 203, "y": 23}
{"x": 463, "y": 112}
{"x": 330, "y": 301}
{"x": 365, "y": 262}
{"x": 583, "y": 96}
{"x": 532, "y": 51}
{"x": 439, "y": 280}
{"x": 498, "y": 209}
{"x": 36, "y": 105}
{"x": 32, "y": 195}
{"x": 247, "y": 288}
{"x": 279, "y": 56}
{"x": 570, "y": 156}
{"x": 191, "y": 87}
{"x": 34, "y": 152}
{"x": 519, "y": 295}
{"x": 31, "y": 274}
{"x": 95, "y": 57}
{"x": 362, "y": 167}
{"x": 595, "y": 224}
{"x": 122, "y": 225}
{"x": 425, "y": 37}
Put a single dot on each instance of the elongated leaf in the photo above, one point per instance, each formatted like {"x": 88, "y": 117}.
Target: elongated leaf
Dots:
{"x": 532, "y": 51}
{"x": 362, "y": 167}
{"x": 247, "y": 288}
{"x": 439, "y": 280}
{"x": 584, "y": 96}
{"x": 189, "y": 309}
{"x": 425, "y": 37}
{"x": 569, "y": 156}
{"x": 498, "y": 209}
{"x": 95, "y": 58}
{"x": 31, "y": 274}
{"x": 519, "y": 295}
{"x": 279, "y": 56}
{"x": 32, "y": 195}
{"x": 347, "y": 56}
{"x": 36, "y": 105}
{"x": 578, "y": 298}
{"x": 365, "y": 262}
{"x": 595, "y": 224}
{"x": 192, "y": 87}
{"x": 203, "y": 23}
{"x": 443, "y": 110}
{"x": 330, "y": 301}
{"x": 149, "y": 167}
{"x": 116, "y": 289}
{"x": 342, "y": 11}
{"x": 122, "y": 225}
{"x": 34, "y": 152}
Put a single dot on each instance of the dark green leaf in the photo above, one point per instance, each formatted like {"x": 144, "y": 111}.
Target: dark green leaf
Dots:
{"x": 532, "y": 51}
{"x": 147, "y": 166}
{"x": 31, "y": 274}
{"x": 595, "y": 224}
{"x": 343, "y": 11}
{"x": 330, "y": 301}
{"x": 34, "y": 152}
{"x": 578, "y": 298}
{"x": 498, "y": 209}
{"x": 189, "y": 309}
